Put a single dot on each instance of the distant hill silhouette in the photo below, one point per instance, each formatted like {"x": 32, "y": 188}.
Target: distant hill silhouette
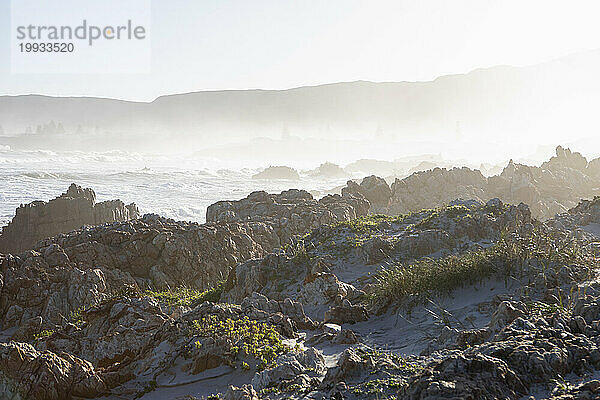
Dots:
{"x": 500, "y": 100}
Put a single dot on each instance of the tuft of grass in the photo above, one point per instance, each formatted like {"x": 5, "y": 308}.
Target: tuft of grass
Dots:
{"x": 188, "y": 297}
{"x": 563, "y": 303}
{"x": 429, "y": 275}
{"x": 300, "y": 255}
{"x": 507, "y": 257}
{"x": 298, "y": 250}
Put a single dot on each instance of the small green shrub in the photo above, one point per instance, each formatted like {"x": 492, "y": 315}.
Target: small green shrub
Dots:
{"x": 388, "y": 372}
{"x": 402, "y": 363}
{"x": 76, "y": 316}
{"x": 379, "y": 385}
{"x": 269, "y": 390}
{"x": 248, "y": 337}
{"x": 43, "y": 334}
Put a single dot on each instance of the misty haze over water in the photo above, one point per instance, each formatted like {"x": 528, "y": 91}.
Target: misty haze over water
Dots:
{"x": 488, "y": 115}
{"x": 180, "y": 153}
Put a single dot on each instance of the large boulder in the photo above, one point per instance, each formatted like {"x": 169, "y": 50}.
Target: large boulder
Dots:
{"x": 29, "y": 374}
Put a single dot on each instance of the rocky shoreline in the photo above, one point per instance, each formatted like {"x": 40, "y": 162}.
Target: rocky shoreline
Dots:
{"x": 554, "y": 187}
{"x": 381, "y": 292}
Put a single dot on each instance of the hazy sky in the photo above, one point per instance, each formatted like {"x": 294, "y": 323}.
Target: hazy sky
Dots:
{"x": 226, "y": 44}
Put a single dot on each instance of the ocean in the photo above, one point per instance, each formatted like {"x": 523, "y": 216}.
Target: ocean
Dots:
{"x": 178, "y": 187}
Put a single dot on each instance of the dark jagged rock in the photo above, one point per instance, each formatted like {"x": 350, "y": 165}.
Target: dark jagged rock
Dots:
{"x": 81, "y": 268}
{"x": 290, "y": 213}
{"x": 374, "y": 189}
{"x": 29, "y": 374}
{"x": 346, "y": 313}
{"x": 552, "y": 188}
{"x": 434, "y": 188}
{"x": 466, "y": 377}
{"x": 69, "y": 211}
{"x": 585, "y": 391}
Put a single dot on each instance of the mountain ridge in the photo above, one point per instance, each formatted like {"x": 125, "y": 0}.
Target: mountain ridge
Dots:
{"x": 521, "y": 102}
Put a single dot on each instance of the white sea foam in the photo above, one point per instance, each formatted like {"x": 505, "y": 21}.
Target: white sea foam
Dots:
{"x": 176, "y": 187}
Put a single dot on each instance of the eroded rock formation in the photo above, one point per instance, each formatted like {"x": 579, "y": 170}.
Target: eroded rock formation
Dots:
{"x": 69, "y": 211}
{"x": 29, "y": 374}
{"x": 290, "y": 213}
{"x": 374, "y": 189}
{"x": 434, "y": 188}
{"x": 82, "y": 267}
{"x": 552, "y": 188}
